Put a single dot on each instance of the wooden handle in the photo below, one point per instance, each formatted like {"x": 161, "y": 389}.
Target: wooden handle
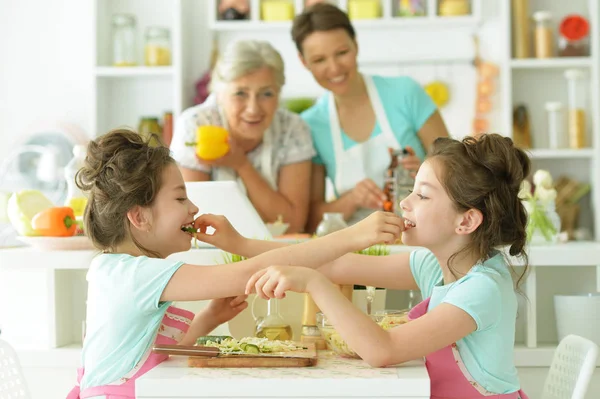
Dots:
{"x": 180, "y": 350}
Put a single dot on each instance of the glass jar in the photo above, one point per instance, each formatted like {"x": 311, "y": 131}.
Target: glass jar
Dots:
{"x": 157, "y": 49}
{"x": 574, "y": 37}
{"x": 123, "y": 38}
{"x": 577, "y": 100}
{"x": 543, "y": 226}
{"x": 451, "y": 8}
{"x": 543, "y": 41}
{"x": 412, "y": 8}
{"x": 556, "y": 125}
{"x": 148, "y": 126}
{"x": 331, "y": 222}
{"x": 167, "y": 133}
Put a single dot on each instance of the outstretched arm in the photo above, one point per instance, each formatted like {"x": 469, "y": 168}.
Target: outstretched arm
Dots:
{"x": 191, "y": 282}
{"x": 437, "y": 329}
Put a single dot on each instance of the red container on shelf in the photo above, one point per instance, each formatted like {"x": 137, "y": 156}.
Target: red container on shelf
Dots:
{"x": 574, "y": 37}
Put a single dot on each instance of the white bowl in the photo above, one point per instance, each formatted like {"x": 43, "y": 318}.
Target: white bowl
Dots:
{"x": 277, "y": 229}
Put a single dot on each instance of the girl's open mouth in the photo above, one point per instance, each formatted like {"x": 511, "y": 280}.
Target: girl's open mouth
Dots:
{"x": 189, "y": 228}
{"x": 408, "y": 224}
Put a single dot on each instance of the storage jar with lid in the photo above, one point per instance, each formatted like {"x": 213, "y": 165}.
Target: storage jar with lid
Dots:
{"x": 157, "y": 50}
{"x": 149, "y": 126}
{"x": 557, "y": 125}
{"x": 577, "y": 105}
{"x": 123, "y": 40}
{"x": 452, "y": 8}
{"x": 543, "y": 36}
{"x": 574, "y": 37}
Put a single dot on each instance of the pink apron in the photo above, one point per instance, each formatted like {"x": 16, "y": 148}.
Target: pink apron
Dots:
{"x": 449, "y": 377}
{"x": 173, "y": 327}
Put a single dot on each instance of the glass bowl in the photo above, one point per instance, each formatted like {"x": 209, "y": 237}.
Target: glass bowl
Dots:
{"x": 387, "y": 319}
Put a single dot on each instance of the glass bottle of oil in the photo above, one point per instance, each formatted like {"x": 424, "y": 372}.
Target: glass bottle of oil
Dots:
{"x": 273, "y": 326}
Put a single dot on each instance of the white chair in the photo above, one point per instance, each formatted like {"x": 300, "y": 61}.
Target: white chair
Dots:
{"x": 572, "y": 367}
{"x": 12, "y": 380}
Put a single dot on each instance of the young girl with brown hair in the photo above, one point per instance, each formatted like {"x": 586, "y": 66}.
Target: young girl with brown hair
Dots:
{"x": 136, "y": 215}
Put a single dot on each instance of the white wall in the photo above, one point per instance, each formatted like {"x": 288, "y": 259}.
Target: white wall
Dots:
{"x": 45, "y": 65}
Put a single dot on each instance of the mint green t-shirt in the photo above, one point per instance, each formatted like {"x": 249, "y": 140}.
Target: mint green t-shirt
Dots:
{"x": 487, "y": 294}
{"x": 123, "y": 313}
{"x": 407, "y": 107}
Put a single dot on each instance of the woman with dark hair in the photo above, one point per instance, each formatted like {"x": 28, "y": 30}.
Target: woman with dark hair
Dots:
{"x": 359, "y": 117}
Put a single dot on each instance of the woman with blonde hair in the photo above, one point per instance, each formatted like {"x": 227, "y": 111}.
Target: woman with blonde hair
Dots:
{"x": 270, "y": 148}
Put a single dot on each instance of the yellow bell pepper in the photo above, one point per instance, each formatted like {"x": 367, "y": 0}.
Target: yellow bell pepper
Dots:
{"x": 211, "y": 142}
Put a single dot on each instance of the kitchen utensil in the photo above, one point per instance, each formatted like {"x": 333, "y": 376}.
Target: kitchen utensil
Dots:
{"x": 181, "y": 350}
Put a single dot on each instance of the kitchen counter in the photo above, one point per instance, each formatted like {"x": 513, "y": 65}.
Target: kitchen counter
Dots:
{"x": 332, "y": 377}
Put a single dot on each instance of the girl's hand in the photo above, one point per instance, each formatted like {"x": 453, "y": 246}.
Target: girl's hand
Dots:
{"x": 367, "y": 194}
{"x": 225, "y": 236}
{"x": 234, "y": 159}
{"x": 224, "y": 309}
{"x": 377, "y": 228}
{"x": 411, "y": 162}
{"x": 274, "y": 281}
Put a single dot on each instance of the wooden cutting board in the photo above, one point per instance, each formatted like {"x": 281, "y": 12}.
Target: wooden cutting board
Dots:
{"x": 301, "y": 358}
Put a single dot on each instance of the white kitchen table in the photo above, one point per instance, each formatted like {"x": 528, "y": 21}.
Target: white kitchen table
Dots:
{"x": 332, "y": 377}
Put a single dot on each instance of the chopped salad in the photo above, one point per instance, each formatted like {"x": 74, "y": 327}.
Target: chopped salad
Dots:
{"x": 229, "y": 345}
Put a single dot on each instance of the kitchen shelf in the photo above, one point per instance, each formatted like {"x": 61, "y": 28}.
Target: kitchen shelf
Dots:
{"x": 463, "y": 22}
{"x": 544, "y": 153}
{"x": 548, "y": 63}
{"x": 141, "y": 71}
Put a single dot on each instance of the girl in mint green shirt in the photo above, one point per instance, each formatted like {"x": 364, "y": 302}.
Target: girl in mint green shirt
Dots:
{"x": 137, "y": 215}
{"x": 464, "y": 213}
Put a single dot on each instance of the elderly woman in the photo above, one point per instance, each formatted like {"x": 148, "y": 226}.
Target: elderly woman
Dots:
{"x": 270, "y": 148}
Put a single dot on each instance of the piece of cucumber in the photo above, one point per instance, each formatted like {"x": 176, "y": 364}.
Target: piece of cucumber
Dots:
{"x": 213, "y": 338}
{"x": 251, "y": 348}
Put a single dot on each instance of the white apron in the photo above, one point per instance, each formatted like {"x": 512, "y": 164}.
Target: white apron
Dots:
{"x": 369, "y": 159}
{"x": 266, "y": 169}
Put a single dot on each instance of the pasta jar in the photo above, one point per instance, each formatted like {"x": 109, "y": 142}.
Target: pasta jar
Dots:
{"x": 543, "y": 42}
{"x": 574, "y": 37}
{"x": 157, "y": 51}
{"x": 123, "y": 40}
{"x": 577, "y": 104}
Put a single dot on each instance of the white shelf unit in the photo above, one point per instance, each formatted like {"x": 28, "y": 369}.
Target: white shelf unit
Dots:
{"x": 124, "y": 95}
{"x": 387, "y": 19}
{"x": 533, "y": 82}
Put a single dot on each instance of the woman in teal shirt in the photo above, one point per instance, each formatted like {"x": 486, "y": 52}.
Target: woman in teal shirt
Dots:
{"x": 358, "y": 119}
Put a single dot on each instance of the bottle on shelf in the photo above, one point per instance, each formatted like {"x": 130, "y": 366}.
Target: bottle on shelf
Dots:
{"x": 157, "y": 50}
{"x": 148, "y": 126}
{"x": 123, "y": 40}
{"x": 167, "y": 132}
{"x": 556, "y": 125}
{"x": 76, "y": 198}
{"x": 543, "y": 35}
{"x": 577, "y": 113}
{"x": 574, "y": 37}
{"x": 453, "y": 8}
{"x": 520, "y": 29}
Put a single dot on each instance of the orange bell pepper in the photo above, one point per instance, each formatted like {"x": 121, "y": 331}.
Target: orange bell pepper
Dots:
{"x": 211, "y": 142}
{"x": 55, "y": 222}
